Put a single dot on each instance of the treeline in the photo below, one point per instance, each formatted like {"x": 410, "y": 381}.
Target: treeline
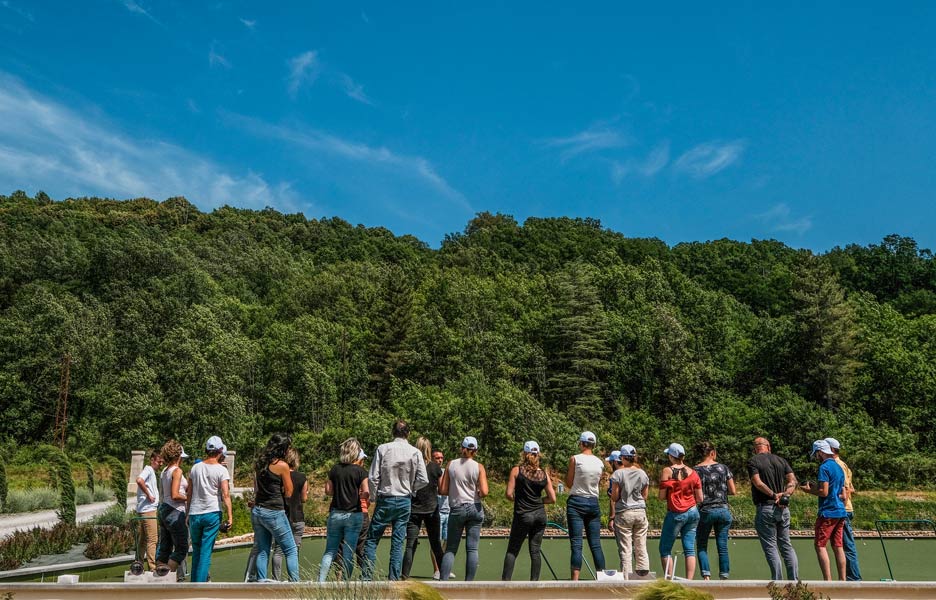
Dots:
{"x": 178, "y": 323}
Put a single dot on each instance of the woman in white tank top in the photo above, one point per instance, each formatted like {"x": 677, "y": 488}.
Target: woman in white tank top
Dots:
{"x": 173, "y": 533}
{"x": 583, "y": 512}
{"x": 465, "y": 484}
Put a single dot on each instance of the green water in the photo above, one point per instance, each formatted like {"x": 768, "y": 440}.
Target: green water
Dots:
{"x": 911, "y": 559}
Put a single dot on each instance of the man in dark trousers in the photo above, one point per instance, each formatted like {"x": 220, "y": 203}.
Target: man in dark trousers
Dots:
{"x": 772, "y": 483}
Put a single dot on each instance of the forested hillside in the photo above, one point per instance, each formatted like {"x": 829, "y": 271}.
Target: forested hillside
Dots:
{"x": 179, "y": 323}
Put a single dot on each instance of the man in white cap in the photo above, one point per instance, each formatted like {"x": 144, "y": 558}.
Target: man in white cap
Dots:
{"x": 852, "y": 571}
{"x": 830, "y": 520}
{"x": 396, "y": 473}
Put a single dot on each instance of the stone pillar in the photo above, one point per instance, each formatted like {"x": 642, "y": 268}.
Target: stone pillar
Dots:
{"x": 136, "y": 467}
{"x": 229, "y": 457}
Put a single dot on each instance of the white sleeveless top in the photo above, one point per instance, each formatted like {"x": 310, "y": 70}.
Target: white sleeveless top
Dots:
{"x": 165, "y": 484}
{"x": 463, "y": 482}
{"x": 588, "y": 470}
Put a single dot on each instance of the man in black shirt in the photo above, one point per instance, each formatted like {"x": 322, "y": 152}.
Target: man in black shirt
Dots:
{"x": 772, "y": 482}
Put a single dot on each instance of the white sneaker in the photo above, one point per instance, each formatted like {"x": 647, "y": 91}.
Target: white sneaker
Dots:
{"x": 452, "y": 575}
{"x": 436, "y": 575}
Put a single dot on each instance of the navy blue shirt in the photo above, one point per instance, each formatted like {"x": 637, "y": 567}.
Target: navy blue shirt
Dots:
{"x": 832, "y": 506}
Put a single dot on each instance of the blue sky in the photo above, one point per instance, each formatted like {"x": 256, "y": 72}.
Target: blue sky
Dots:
{"x": 811, "y": 123}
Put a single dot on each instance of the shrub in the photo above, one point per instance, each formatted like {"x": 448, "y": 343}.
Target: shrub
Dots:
{"x": 4, "y": 488}
{"x": 108, "y": 540}
{"x": 102, "y": 493}
{"x": 792, "y": 591}
{"x": 23, "y": 546}
{"x": 83, "y": 496}
{"x": 19, "y": 501}
{"x": 669, "y": 590}
{"x": 118, "y": 480}
{"x": 66, "y": 484}
{"x": 113, "y": 516}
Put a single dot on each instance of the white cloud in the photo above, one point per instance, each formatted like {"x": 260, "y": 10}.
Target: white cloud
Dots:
{"x": 354, "y": 90}
{"x": 16, "y": 9}
{"x": 135, "y": 7}
{"x": 303, "y": 69}
{"x": 249, "y": 23}
{"x": 45, "y": 144}
{"x": 709, "y": 158}
{"x": 590, "y": 140}
{"x": 320, "y": 143}
{"x": 779, "y": 218}
{"x": 655, "y": 162}
{"x": 217, "y": 60}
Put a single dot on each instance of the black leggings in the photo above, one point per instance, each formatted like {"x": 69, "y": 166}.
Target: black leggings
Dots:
{"x": 526, "y": 526}
{"x": 433, "y": 532}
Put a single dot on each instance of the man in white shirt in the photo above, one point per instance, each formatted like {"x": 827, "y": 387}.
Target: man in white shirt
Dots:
{"x": 396, "y": 473}
{"x": 147, "y": 501}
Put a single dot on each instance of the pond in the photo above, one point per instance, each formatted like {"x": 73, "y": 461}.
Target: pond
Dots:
{"x": 912, "y": 559}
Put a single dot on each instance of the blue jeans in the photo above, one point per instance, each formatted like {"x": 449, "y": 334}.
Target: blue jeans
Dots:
{"x": 204, "y": 529}
{"x": 270, "y": 524}
{"x": 443, "y": 526}
{"x": 467, "y": 518}
{"x": 718, "y": 519}
{"x": 772, "y": 523}
{"x": 392, "y": 511}
{"x": 679, "y": 525}
{"x": 852, "y": 572}
{"x": 343, "y": 527}
{"x": 584, "y": 517}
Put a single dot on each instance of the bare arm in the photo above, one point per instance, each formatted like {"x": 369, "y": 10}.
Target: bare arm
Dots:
{"x": 732, "y": 491}
{"x": 226, "y": 497}
{"x": 615, "y": 492}
{"x": 444, "y": 483}
{"x": 176, "y": 486}
{"x": 698, "y": 494}
{"x": 305, "y": 491}
{"x": 759, "y": 485}
{"x": 482, "y": 481}
{"x": 364, "y": 490}
{"x": 512, "y": 483}
{"x": 665, "y": 476}
{"x": 141, "y": 483}
{"x": 550, "y": 491}
{"x": 329, "y": 488}
{"x": 282, "y": 469}
{"x": 570, "y": 473}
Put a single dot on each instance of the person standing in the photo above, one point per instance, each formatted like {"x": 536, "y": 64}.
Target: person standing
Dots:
{"x": 147, "y": 503}
{"x": 583, "y": 513}
{"x": 425, "y": 509}
{"x": 347, "y": 485}
{"x": 396, "y": 474}
{"x": 365, "y": 523}
{"x": 465, "y": 483}
{"x": 438, "y": 457}
{"x": 614, "y": 461}
{"x": 717, "y": 484}
{"x": 268, "y": 516}
{"x": 173, "y": 533}
{"x": 830, "y": 519}
{"x": 681, "y": 488}
{"x": 772, "y": 483}
{"x": 852, "y": 570}
{"x": 525, "y": 487}
{"x": 294, "y": 510}
{"x": 209, "y": 488}
{"x": 630, "y": 487}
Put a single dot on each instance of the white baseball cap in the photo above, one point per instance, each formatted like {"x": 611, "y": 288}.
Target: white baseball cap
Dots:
{"x": 470, "y": 442}
{"x": 214, "y": 443}
{"x": 531, "y": 447}
{"x": 675, "y": 450}
{"x": 628, "y": 451}
{"x": 184, "y": 453}
{"x": 615, "y": 456}
{"x": 820, "y": 446}
{"x": 833, "y": 443}
{"x": 361, "y": 455}
{"x": 588, "y": 437}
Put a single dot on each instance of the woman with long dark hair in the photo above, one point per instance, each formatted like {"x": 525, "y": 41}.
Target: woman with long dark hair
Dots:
{"x": 274, "y": 486}
{"x": 717, "y": 484}
{"x": 525, "y": 488}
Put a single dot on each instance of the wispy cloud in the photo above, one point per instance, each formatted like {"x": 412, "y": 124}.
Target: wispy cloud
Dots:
{"x": 45, "y": 144}
{"x": 22, "y": 12}
{"x": 303, "y": 69}
{"x": 249, "y": 23}
{"x": 354, "y": 90}
{"x": 365, "y": 18}
{"x": 137, "y": 8}
{"x": 709, "y": 158}
{"x": 779, "y": 218}
{"x": 217, "y": 60}
{"x": 414, "y": 167}
{"x": 652, "y": 164}
{"x": 593, "y": 139}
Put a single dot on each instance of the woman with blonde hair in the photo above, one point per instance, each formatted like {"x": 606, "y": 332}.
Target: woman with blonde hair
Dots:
{"x": 347, "y": 485}
{"x": 425, "y": 509}
{"x": 173, "y": 533}
{"x": 525, "y": 488}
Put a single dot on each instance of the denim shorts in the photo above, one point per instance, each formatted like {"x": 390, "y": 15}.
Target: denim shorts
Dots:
{"x": 679, "y": 524}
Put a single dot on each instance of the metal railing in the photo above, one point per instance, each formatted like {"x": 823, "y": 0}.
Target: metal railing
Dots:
{"x": 879, "y": 522}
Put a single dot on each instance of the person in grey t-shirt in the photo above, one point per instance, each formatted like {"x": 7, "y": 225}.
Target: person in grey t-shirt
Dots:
{"x": 630, "y": 487}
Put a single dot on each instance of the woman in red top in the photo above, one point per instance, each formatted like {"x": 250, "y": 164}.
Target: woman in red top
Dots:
{"x": 681, "y": 487}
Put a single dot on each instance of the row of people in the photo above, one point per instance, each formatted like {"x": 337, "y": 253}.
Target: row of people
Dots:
{"x": 410, "y": 489}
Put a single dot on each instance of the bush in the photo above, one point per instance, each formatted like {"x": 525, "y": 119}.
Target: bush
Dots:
{"x": 113, "y": 516}
{"x": 669, "y": 590}
{"x": 103, "y": 493}
{"x": 23, "y": 546}
{"x": 4, "y": 488}
{"x": 118, "y": 480}
{"x": 108, "y": 540}
{"x": 42, "y": 498}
